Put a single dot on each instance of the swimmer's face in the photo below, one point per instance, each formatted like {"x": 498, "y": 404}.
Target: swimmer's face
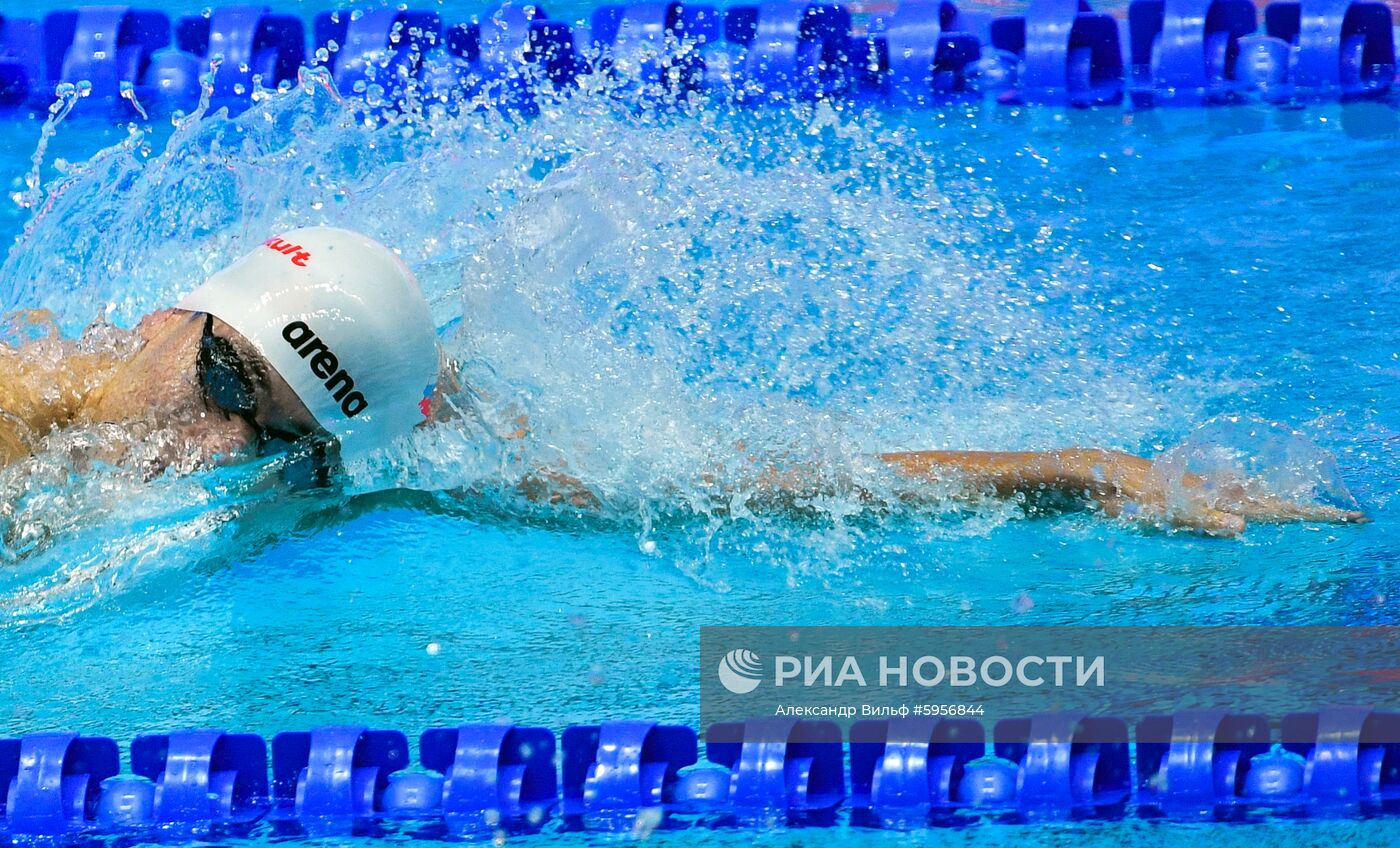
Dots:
{"x": 161, "y": 384}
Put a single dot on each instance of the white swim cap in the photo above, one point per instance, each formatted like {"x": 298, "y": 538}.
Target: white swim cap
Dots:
{"x": 342, "y": 320}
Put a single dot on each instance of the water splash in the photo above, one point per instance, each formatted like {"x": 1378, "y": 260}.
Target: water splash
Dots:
{"x": 668, "y": 302}
{"x": 128, "y": 93}
{"x": 66, "y": 96}
{"x": 1258, "y": 458}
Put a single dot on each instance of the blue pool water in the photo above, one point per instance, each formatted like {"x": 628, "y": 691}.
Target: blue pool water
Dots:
{"x": 665, "y": 295}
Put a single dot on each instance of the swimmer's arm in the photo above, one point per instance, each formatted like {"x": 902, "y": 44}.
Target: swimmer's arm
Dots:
{"x": 553, "y": 486}
{"x": 1118, "y": 482}
{"x": 545, "y": 484}
{"x": 42, "y": 386}
{"x": 13, "y": 446}
{"x": 1006, "y": 472}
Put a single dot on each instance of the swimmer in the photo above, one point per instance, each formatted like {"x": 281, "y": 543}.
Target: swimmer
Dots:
{"x": 320, "y": 341}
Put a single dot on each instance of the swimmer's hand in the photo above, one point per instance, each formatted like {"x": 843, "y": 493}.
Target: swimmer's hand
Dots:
{"x": 1121, "y": 484}
{"x": 1133, "y": 487}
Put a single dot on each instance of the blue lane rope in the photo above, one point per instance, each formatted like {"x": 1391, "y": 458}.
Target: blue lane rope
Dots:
{"x": 913, "y": 771}
{"x": 923, "y": 51}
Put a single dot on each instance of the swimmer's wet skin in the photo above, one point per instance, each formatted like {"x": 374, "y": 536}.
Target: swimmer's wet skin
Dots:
{"x": 1120, "y": 484}
{"x": 323, "y": 335}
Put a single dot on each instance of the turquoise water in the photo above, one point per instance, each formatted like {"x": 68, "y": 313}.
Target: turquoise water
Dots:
{"x": 655, "y": 289}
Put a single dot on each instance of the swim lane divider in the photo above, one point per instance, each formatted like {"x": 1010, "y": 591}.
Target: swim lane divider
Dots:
{"x": 915, "y": 771}
{"x": 1165, "y": 52}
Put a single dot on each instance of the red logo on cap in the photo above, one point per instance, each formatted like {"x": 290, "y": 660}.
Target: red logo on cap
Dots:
{"x": 299, "y": 254}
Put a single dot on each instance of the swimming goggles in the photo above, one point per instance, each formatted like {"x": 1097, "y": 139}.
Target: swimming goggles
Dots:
{"x": 224, "y": 379}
